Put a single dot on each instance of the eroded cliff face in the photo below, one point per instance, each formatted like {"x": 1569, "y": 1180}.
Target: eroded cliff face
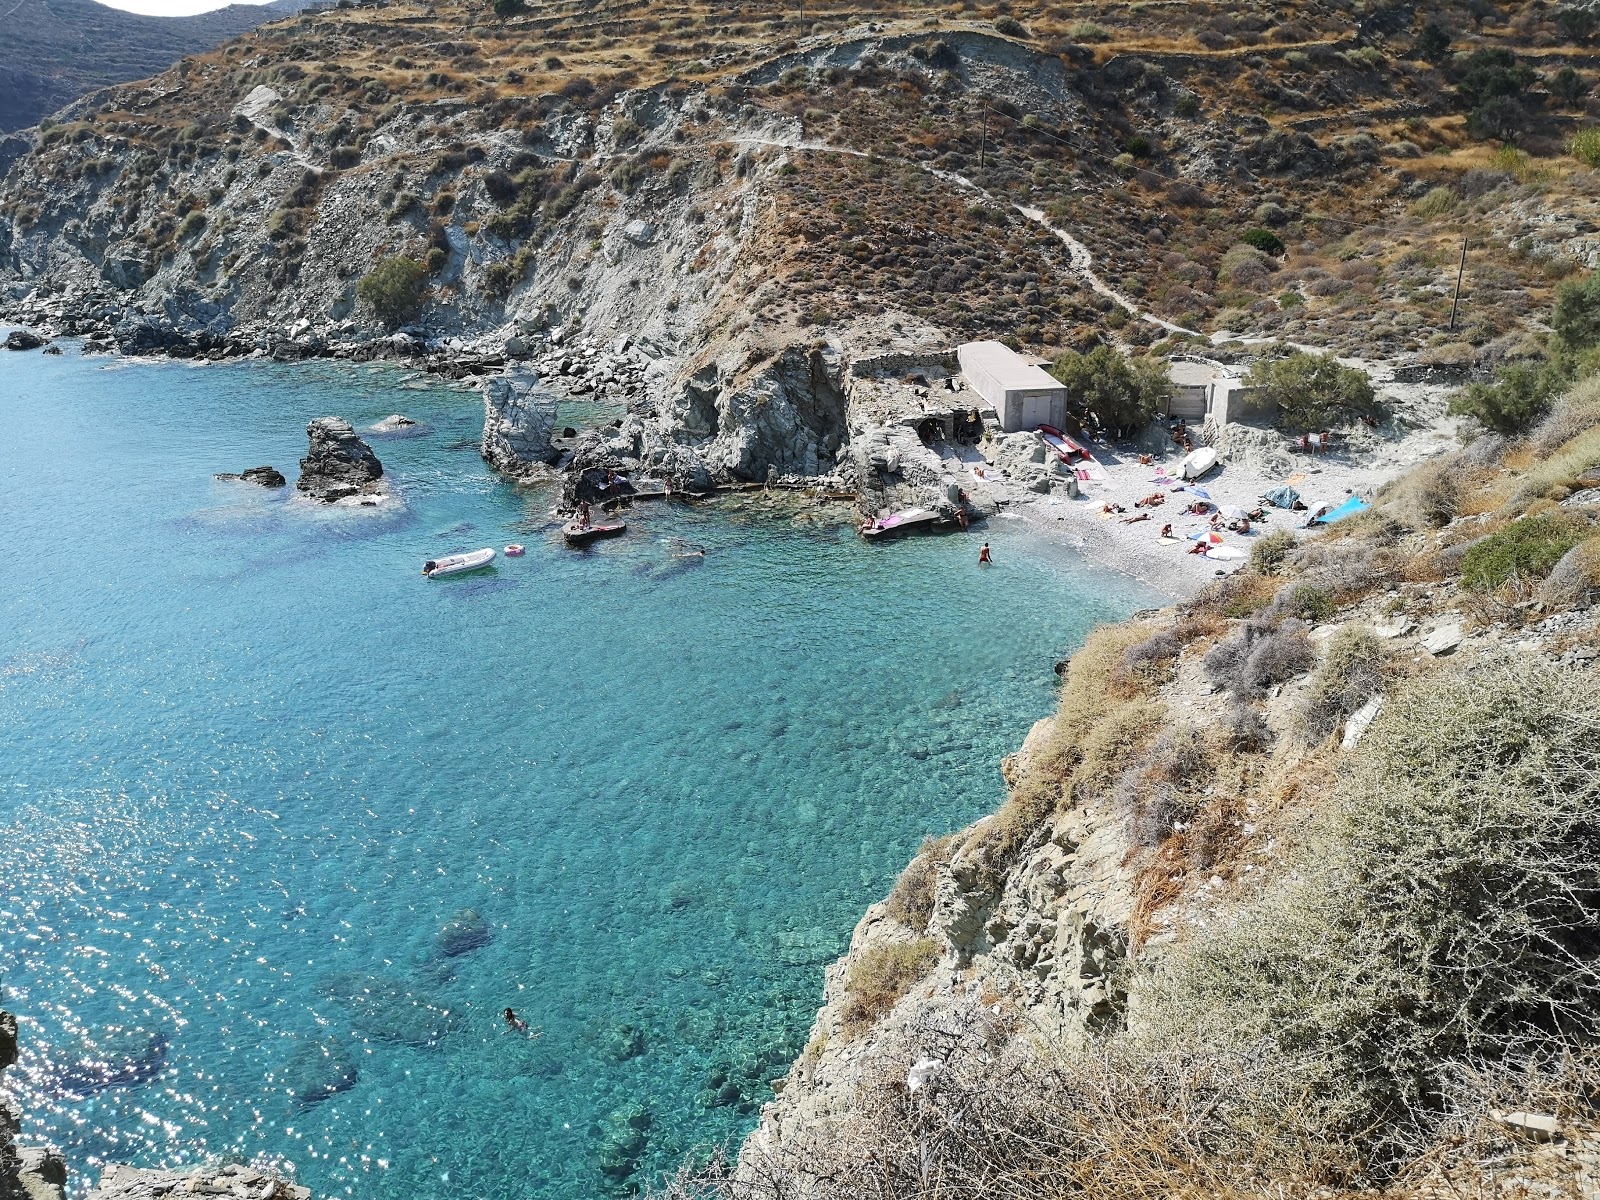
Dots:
{"x": 26, "y": 1172}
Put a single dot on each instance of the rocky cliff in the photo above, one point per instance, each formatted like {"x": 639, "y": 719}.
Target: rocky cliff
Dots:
{"x": 1245, "y": 858}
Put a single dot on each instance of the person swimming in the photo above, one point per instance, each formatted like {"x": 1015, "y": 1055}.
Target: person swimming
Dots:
{"x": 515, "y": 1023}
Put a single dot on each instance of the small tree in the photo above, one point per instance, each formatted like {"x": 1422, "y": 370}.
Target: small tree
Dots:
{"x": 1433, "y": 44}
{"x": 395, "y": 288}
{"x": 1263, "y": 240}
{"x": 1499, "y": 119}
{"x": 1489, "y": 73}
{"x": 1567, "y": 87}
{"x": 505, "y": 9}
{"x": 1119, "y": 393}
{"x": 1576, "y": 316}
{"x": 1314, "y": 390}
{"x": 1520, "y": 394}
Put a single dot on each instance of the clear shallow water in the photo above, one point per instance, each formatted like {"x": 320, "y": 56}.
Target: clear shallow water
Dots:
{"x": 251, "y": 761}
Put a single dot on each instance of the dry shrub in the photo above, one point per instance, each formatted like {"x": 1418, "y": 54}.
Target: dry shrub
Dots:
{"x": 1574, "y": 582}
{"x": 880, "y": 975}
{"x": 1431, "y": 493}
{"x": 1343, "y": 568}
{"x": 1261, "y": 653}
{"x": 911, "y": 899}
{"x": 1243, "y": 729}
{"x": 1105, "y": 714}
{"x": 1154, "y": 655}
{"x": 1148, "y": 794}
{"x": 1574, "y": 414}
{"x": 1232, "y": 596}
{"x": 1350, "y": 674}
{"x": 1445, "y": 907}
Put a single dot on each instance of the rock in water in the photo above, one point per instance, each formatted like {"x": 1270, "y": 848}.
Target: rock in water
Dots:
{"x": 23, "y": 339}
{"x": 268, "y": 477}
{"x": 398, "y": 425}
{"x": 462, "y": 933}
{"x": 319, "y": 1069}
{"x": 339, "y": 464}
{"x": 519, "y": 419}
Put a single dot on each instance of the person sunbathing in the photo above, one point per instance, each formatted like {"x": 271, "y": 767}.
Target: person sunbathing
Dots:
{"x": 1144, "y": 516}
{"x": 1151, "y": 501}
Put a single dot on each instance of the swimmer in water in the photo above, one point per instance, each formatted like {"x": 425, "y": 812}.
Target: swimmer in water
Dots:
{"x": 983, "y": 554}
{"x": 515, "y": 1023}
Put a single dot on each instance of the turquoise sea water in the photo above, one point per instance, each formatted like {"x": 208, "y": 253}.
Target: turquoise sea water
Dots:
{"x": 251, "y": 762}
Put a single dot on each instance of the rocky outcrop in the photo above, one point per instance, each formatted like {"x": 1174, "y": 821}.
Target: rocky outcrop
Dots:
{"x": 519, "y": 420}
{"x": 232, "y": 1180}
{"x": 265, "y": 476}
{"x": 26, "y": 1172}
{"x": 23, "y": 339}
{"x": 339, "y": 465}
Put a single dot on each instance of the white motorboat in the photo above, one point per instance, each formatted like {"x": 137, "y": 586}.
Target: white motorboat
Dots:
{"x": 1199, "y": 462}
{"x": 455, "y": 564}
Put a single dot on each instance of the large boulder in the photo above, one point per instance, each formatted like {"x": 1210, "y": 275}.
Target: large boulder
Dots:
{"x": 519, "y": 419}
{"x": 338, "y": 465}
{"x": 23, "y": 339}
{"x": 319, "y": 1069}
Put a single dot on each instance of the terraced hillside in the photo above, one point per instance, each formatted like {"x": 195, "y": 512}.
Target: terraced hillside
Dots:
{"x": 1302, "y": 170}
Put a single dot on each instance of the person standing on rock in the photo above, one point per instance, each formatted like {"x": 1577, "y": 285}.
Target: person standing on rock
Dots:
{"x": 983, "y": 555}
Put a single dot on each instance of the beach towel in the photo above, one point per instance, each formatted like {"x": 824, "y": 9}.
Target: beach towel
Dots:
{"x": 1281, "y": 497}
{"x": 1348, "y": 509}
{"x": 1167, "y": 541}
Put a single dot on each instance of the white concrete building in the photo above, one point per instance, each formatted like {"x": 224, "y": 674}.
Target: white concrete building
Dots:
{"x": 1024, "y": 396}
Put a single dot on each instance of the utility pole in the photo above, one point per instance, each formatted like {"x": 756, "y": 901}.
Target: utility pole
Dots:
{"x": 1460, "y": 271}
{"x": 983, "y": 144}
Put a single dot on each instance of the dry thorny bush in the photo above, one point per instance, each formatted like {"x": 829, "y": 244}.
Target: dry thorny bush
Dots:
{"x": 1001, "y": 1113}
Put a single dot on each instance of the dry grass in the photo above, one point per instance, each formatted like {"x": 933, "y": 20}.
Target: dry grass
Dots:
{"x": 879, "y": 976}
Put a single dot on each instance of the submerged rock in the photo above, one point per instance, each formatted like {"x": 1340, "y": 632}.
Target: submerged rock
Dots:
{"x": 319, "y": 1069}
{"x": 116, "y": 1056}
{"x": 339, "y": 464}
{"x": 386, "y": 1009}
{"x": 266, "y": 476}
{"x": 624, "y": 1136}
{"x": 519, "y": 419}
{"x": 463, "y": 933}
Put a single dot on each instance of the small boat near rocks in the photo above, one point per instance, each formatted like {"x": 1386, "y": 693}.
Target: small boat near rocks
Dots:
{"x": 575, "y": 533}
{"x": 901, "y": 522}
{"x": 456, "y": 564}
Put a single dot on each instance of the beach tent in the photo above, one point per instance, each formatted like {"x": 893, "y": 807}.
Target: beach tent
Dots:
{"x": 1282, "y": 497}
{"x": 1314, "y": 513}
{"x": 1348, "y": 509}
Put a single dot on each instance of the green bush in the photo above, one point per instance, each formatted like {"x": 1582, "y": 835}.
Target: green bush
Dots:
{"x": 1432, "y": 44}
{"x": 1268, "y": 554}
{"x": 1576, "y": 315}
{"x": 1263, "y": 240}
{"x": 192, "y": 225}
{"x": 1011, "y": 27}
{"x": 1585, "y": 146}
{"x": 1525, "y": 549}
{"x": 395, "y": 288}
{"x": 1119, "y": 393}
{"x": 1305, "y": 601}
{"x": 1443, "y": 910}
{"x": 1436, "y": 203}
{"x": 1567, "y": 87}
{"x": 1520, "y": 394}
{"x": 1313, "y": 391}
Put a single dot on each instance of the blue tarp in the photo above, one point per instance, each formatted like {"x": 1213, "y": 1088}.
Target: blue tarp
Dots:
{"x": 1282, "y": 497}
{"x": 1348, "y": 509}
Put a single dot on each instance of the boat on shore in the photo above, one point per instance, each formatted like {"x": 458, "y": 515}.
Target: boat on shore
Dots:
{"x": 1064, "y": 446}
{"x": 1199, "y": 462}
{"x": 575, "y": 533}
{"x": 456, "y": 564}
{"x": 901, "y": 522}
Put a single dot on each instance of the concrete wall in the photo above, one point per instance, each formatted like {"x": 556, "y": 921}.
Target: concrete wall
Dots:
{"x": 1191, "y": 401}
{"x": 1242, "y": 405}
{"x": 1029, "y": 409}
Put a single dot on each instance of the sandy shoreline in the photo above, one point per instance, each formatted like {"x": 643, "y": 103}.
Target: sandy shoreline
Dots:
{"x": 1250, "y": 463}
